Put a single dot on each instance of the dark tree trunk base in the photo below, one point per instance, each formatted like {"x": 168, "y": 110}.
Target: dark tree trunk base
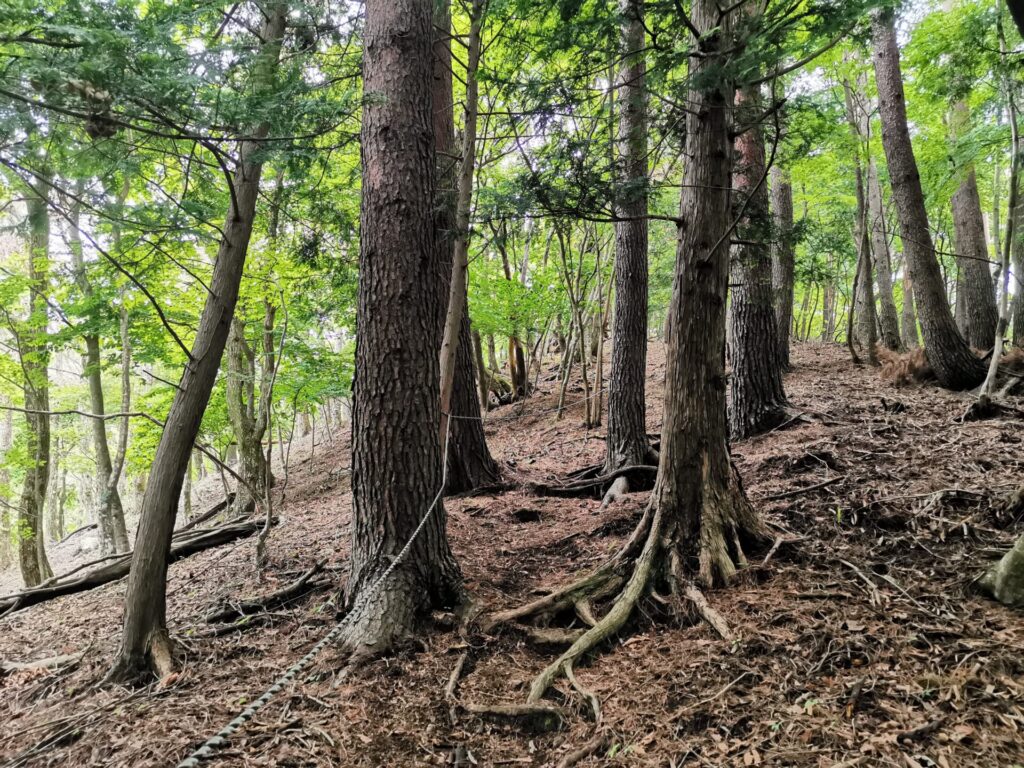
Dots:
{"x": 388, "y": 617}
{"x": 134, "y": 668}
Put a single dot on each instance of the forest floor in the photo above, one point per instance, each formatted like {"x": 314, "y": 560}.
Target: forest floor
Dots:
{"x": 859, "y": 644}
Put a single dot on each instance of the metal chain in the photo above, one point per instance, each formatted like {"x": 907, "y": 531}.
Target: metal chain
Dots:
{"x": 220, "y": 739}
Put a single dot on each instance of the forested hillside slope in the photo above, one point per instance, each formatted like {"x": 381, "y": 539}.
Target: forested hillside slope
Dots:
{"x": 859, "y": 639}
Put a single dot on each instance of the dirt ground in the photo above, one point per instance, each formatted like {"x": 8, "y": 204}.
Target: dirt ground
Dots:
{"x": 860, "y": 641}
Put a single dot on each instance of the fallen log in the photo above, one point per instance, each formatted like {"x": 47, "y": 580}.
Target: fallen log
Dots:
{"x": 238, "y": 610}
{"x": 182, "y": 545}
{"x": 53, "y": 662}
{"x": 83, "y": 529}
{"x": 220, "y": 506}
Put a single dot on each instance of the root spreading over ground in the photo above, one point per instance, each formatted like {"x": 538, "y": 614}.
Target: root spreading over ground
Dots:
{"x": 856, "y": 638}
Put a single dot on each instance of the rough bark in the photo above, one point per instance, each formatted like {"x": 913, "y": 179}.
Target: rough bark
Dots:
{"x": 954, "y": 364}
{"x": 978, "y": 297}
{"x": 783, "y": 260}
{"x": 697, "y": 490}
{"x": 145, "y": 642}
{"x": 396, "y": 451}
{"x": 34, "y": 354}
{"x": 110, "y": 512}
{"x": 626, "y": 441}
{"x": 470, "y": 464}
{"x": 758, "y": 400}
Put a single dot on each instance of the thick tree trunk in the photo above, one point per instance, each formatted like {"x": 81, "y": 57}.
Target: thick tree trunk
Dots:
{"x": 470, "y": 464}
{"x": 697, "y": 491}
{"x": 145, "y": 643}
{"x": 783, "y": 260}
{"x": 888, "y": 322}
{"x": 626, "y": 442}
{"x": 954, "y": 364}
{"x": 396, "y": 451}
{"x": 34, "y": 351}
{"x": 758, "y": 400}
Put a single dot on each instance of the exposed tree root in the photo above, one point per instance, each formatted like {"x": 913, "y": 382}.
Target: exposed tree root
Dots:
{"x": 615, "y": 491}
{"x": 52, "y": 662}
{"x": 612, "y": 621}
{"x": 986, "y": 407}
{"x": 641, "y": 477}
{"x": 542, "y": 717}
{"x": 550, "y": 635}
{"x": 657, "y": 555}
{"x": 299, "y": 587}
{"x": 595, "y": 745}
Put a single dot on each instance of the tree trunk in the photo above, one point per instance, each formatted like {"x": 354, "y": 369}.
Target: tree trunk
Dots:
{"x": 145, "y": 643}
{"x": 863, "y": 307}
{"x": 828, "y": 312}
{"x": 110, "y": 513}
{"x": 783, "y": 260}
{"x": 975, "y": 277}
{"x": 954, "y": 364}
{"x": 626, "y": 442}
{"x": 758, "y": 400}
{"x": 1018, "y": 276}
{"x": 240, "y": 359}
{"x": 978, "y": 299}
{"x": 888, "y": 320}
{"x": 470, "y": 464}
{"x": 908, "y": 325}
{"x": 482, "y": 374}
{"x": 697, "y": 491}
{"x": 6, "y": 440}
{"x": 396, "y": 451}
{"x": 34, "y": 352}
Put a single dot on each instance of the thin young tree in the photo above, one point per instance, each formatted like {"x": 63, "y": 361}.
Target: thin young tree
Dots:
{"x": 34, "y": 356}
{"x": 110, "y": 512}
{"x": 396, "y": 449}
{"x": 954, "y": 364}
{"x": 146, "y": 646}
{"x": 862, "y": 323}
{"x": 783, "y": 259}
{"x": 626, "y": 443}
{"x": 470, "y": 464}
